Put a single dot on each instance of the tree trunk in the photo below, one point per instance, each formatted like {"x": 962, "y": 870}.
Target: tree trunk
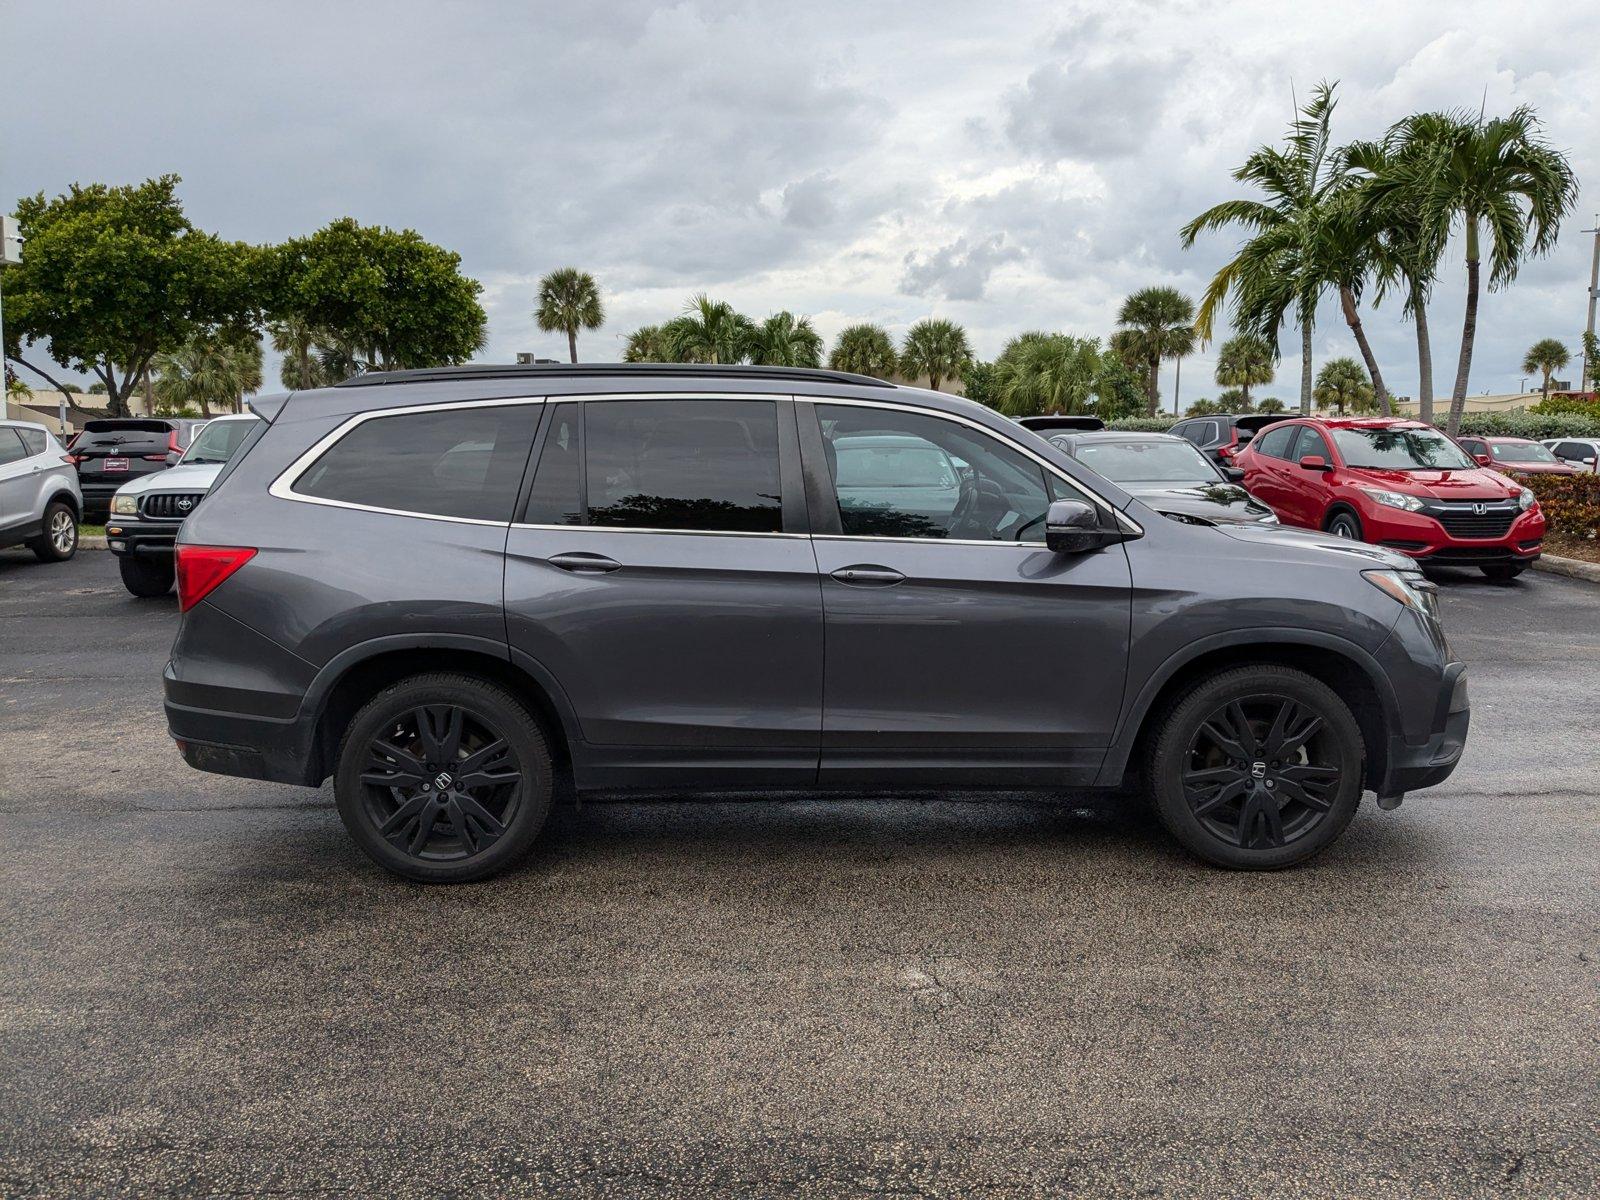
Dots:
{"x": 1153, "y": 387}
{"x": 1469, "y": 333}
{"x": 933, "y": 382}
{"x": 1544, "y": 389}
{"x": 1424, "y": 359}
{"x": 572, "y": 343}
{"x": 1352, "y": 316}
{"x": 1305, "y": 365}
{"x": 116, "y": 393}
{"x": 1177, "y": 382}
{"x": 1244, "y": 396}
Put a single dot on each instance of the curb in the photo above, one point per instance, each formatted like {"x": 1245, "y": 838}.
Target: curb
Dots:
{"x": 1572, "y": 568}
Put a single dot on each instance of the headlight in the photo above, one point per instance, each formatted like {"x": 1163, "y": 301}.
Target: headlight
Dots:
{"x": 1392, "y": 499}
{"x": 125, "y": 506}
{"x": 1413, "y": 591}
{"x": 1525, "y": 500}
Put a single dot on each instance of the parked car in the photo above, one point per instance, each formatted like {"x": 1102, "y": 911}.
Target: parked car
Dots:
{"x": 1514, "y": 455}
{"x": 448, "y": 588}
{"x": 1399, "y": 484}
{"x": 39, "y": 499}
{"x": 146, "y": 513}
{"x": 1170, "y": 475}
{"x": 1222, "y": 436}
{"x": 1045, "y": 426}
{"x": 1582, "y": 454}
{"x": 110, "y": 452}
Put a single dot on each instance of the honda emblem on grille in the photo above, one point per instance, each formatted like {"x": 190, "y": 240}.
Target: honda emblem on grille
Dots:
{"x": 1479, "y": 509}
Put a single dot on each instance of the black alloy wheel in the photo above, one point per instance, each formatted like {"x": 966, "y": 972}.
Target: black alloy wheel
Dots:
{"x": 1258, "y": 767}
{"x": 444, "y": 778}
{"x": 1346, "y": 525}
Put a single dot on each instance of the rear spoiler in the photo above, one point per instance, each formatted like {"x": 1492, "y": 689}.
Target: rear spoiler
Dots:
{"x": 268, "y": 407}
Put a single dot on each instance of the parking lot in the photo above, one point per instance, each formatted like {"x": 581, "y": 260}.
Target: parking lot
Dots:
{"x": 207, "y": 989}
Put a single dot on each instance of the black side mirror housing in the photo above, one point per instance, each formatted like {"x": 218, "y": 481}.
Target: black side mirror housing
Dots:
{"x": 1073, "y": 527}
{"x": 1233, "y": 474}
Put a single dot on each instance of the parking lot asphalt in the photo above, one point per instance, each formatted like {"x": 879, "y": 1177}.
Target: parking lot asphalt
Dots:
{"x": 205, "y": 988}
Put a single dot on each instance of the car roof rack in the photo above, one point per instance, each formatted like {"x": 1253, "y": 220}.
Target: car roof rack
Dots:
{"x": 474, "y": 371}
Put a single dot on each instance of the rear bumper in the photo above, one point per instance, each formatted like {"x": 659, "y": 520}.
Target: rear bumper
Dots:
{"x": 229, "y": 742}
{"x": 135, "y": 537}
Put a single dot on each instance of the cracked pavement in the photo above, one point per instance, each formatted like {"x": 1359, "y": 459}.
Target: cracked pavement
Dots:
{"x": 205, "y": 988}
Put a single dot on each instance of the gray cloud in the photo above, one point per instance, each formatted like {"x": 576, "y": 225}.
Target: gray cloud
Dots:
{"x": 958, "y": 271}
{"x": 1088, "y": 110}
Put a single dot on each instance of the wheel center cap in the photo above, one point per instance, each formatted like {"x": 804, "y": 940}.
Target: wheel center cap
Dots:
{"x": 443, "y": 780}
{"x": 1258, "y": 770}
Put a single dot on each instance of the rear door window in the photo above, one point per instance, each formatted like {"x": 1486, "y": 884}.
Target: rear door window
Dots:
{"x": 461, "y": 462}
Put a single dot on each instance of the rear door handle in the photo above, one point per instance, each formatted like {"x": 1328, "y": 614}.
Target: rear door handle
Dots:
{"x": 583, "y": 562}
{"x": 868, "y": 575}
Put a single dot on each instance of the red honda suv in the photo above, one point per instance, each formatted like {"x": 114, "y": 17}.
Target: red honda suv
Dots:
{"x": 1401, "y": 484}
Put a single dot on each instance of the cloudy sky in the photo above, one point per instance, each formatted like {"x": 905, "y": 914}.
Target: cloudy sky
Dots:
{"x": 1007, "y": 165}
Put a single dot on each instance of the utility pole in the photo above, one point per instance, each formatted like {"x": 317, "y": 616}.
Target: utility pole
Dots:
{"x": 1594, "y": 293}
{"x": 10, "y": 252}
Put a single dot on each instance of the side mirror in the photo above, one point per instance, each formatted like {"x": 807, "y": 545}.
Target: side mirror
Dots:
{"x": 1072, "y": 527}
{"x": 1233, "y": 474}
{"x": 1483, "y": 460}
{"x": 1314, "y": 462}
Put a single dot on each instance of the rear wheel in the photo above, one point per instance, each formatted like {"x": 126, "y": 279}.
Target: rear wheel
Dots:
{"x": 444, "y": 779}
{"x": 59, "y": 541}
{"x": 1502, "y": 572}
{"x": 1346, "y": 525}
{"x": 146, "y": 577}
{"x": 1257, "y": 768}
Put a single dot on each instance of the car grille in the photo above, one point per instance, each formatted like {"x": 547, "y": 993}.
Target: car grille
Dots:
{"x": 1462, "y": 522}
{"x": 171, "y": 506}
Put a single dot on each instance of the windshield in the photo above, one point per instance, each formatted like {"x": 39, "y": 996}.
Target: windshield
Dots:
{"x": 1520, "y": 452}
{"x": 1147, "y": 462}
{"x": 1400, "y": 450}
{"x": 217, "y": 442}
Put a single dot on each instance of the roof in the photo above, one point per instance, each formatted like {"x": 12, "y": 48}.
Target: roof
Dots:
{"x": 475, "y": 371}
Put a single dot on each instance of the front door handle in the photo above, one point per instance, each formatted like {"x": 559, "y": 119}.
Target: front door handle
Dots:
{"x": 868, "y": 575}
{"x": 583, "y": 563}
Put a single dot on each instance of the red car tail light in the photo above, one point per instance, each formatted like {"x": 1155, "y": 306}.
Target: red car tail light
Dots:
{"x": 201, "y": 569}
{"x": 172, "y": 448}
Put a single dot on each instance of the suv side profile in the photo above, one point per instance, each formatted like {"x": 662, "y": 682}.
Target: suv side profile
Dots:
{"x": 1222, "y": 436}
{"x": 454, "y": 590}
{"x": 39, "y": 499}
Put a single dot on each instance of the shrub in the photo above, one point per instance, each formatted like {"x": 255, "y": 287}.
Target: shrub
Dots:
{"x": 1576, "y": 404}
{"x": 1158, "y": 424}
{"x": 1571, "y": 503}
{"x": 1529, "y": 425}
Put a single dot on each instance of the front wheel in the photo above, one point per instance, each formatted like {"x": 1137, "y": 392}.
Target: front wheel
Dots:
{"x": 146, "y": 578}
{"x": 444, "y": 779}
{"x": 1257, "y": 768}
{"x": 59, "y": 540}
{"x": 1502, "y": 572}
{"x": 1346, "y": 525}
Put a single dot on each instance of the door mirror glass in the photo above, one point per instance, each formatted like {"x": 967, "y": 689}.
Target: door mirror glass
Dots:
{"x": 1314, "y": 462}
{"x": 1072, "y": 527}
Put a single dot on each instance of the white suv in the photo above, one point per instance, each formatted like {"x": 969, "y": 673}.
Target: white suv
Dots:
{"x": 39, "y": 498}
{"x": 1583, "y": 453}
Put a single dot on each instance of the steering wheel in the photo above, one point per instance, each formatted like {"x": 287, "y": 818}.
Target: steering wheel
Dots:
{"x": 968, "y": 517}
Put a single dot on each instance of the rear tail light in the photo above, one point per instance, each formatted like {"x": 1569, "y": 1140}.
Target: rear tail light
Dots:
{"x": 72, "y": 459}
{"x": 1227, "y": 451}
{"x": 201, "y": 569}
{"x": 172, "y": 448}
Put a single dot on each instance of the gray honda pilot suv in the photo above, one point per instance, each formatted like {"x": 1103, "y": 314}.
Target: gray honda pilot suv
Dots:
{"x": 457, "y": 590}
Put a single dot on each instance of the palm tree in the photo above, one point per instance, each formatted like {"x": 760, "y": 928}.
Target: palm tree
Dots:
{"x": 1343, "y": 384}
{"x": 709, "y": 331}
{"x": 296, "y": 340}
{"x": 865, "y": 350}
{"x": 1269, "y": 404}
{"x": 1246, "y": 361}
{"x": 646, "y": 345}
{"x": 1546, "y": 356}
{"x": 569, "y": 300}
{"x": 784, "y": 340}
{"x": 1281, "y": 266}
{"x": 209, "y": 367}
{"x": 1496, "y": 177}
{"x": 1157, "y": 323}
{"x": 1349, "y": 247}
{"x": 935, "y": 348}
{"x": 1046, "y": 373}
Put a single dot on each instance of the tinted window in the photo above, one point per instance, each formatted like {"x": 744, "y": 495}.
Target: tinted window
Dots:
{"x": 455, "y": 463}
{"x": 1311, "y": 442}
{"x": 900, "y": 474}
{"x": 11, "y": 447}
{"x": 33, "y": 439}
{"x": 683, "y": 464}
{"x": 1274, "y": 443}
{"x": 217, "y": 442}
{"x": 557, "y": 497}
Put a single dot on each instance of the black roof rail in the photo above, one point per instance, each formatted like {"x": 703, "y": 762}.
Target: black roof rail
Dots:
{"x": 545, "y": 370}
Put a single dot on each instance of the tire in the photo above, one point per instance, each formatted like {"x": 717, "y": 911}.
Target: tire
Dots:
{"x": 390, "y": 798}
{"x": 1226, "y": 813}
{"x": 146, "y": 578}
{"x": 1346, "y": 524}
{"x": 1502, "y": 572}
{"x": 59, "y": 541}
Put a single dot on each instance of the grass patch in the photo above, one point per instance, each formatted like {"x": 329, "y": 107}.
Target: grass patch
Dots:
{"x": 91, "y": 531}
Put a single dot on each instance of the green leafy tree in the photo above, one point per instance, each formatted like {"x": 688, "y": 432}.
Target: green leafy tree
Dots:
{"x": 1117, "y": 390}
{"x": 217, "y": 367}
{"x": 1157, "y": 323}
{"x": 1282, "y": 264}
{"x": 1246, "y": 361}
{"x": 1269, "y": 404}
{"x": 1235, "y": 400}
{"x": 709, "y": 331}
{"x": 384, "y": 298}
{"x": 1206, "y": 408}
{"x": 1546, "y": 356}
{"x": 1591, "y": 359}
{"x": 1494, "y": 178}
{"x": 1342, "y": 385}
{"x": 865, "y": 350}
{"x": 114, "y": 276}
{"x": 1046, "y": 373}
{"x": 936, "y": 348}
{"x": 569, "y": 300}
{"x": 784, "y": 340}
{"x": 978, "y": 383}
{"x": 646, "y": 344}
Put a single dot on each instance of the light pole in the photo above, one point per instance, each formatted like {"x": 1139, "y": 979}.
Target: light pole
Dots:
{"x": 1594, "y": 293}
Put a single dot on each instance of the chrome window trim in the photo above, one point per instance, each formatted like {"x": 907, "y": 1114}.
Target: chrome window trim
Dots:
{"x": 644, "y": 529}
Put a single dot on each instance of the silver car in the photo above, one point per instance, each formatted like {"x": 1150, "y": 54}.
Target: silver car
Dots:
{"x": 39, "y": 498}
{"x": 1583, "y": 453}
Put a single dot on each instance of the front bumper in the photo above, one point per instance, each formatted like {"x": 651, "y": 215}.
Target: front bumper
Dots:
{"x": 1422, "y": 537}
{"x": 1414, "y": 765}
{"x": 137, "y": 537}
